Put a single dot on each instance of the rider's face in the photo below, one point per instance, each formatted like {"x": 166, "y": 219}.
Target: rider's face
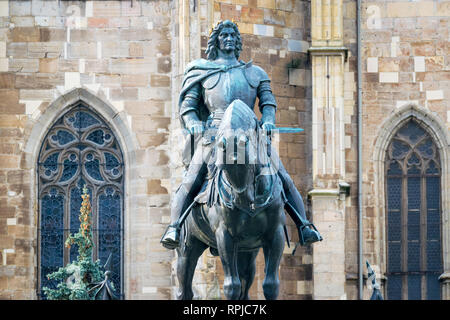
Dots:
{"x": 227, "y": 39}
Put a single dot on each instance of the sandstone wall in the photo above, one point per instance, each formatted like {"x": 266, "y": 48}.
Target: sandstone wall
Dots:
{"x": 351, "y": 149}
{"x": 123, "y": 53}
{"x": 405, "y": 66}
{"x": 120, "y": 52}
{"x": 127, "y": 58}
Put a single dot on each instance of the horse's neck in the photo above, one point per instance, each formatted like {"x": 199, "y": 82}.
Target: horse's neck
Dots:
{"x": 240, "y": 180}
{"x": 245, "y": 195}
{"x": 255, "y": 193}
{"x": 248, "y": 193}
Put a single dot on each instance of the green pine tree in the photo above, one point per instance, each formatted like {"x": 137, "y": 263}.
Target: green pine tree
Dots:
{"x": 75, "y": 278}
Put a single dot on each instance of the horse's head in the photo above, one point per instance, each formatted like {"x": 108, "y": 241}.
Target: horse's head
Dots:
{"x": 236, "y": 141}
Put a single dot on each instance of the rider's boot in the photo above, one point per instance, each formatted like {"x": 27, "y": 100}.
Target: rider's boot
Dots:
{"x": 184, "y": 199}
{"x": 307, "y": 232}
{"x": 171, "y": 237}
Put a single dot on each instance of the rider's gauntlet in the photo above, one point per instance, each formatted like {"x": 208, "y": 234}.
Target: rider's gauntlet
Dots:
{"x": 268, "y": 118}
{"x": 193, "y": 124}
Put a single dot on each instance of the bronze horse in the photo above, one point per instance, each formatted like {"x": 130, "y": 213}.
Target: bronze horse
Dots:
{"x": 240, "y": 210}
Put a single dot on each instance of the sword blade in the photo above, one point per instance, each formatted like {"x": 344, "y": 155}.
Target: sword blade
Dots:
{"x": 288, "y": 130}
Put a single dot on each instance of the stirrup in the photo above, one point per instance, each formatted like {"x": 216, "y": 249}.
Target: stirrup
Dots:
{"x": 313, "y": 237}
{"x": 171, "y": 237}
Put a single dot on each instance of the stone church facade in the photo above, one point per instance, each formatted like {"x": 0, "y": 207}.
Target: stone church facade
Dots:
{"x": 89, "y": 94}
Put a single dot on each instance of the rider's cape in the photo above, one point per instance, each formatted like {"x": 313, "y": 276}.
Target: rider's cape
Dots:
{"x": 197, "y": 71}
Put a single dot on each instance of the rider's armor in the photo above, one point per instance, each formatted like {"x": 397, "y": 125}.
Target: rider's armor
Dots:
{"x": 208, "y": 89}
{"x": 217, "y": 91}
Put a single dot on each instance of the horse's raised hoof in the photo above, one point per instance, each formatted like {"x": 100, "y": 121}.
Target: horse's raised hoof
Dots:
{"x": 309, "y": 236}
{"x": 171, "y": 238}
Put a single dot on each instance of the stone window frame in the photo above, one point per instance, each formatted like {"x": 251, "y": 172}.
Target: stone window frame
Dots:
{"x": 434, "y": 126}
{"x": 118, "y": 122}
{"x": 412, "y": 228}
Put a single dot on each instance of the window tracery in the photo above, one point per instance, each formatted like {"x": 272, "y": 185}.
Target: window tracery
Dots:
{"x": 414, "y": 250}
{"x": 80, "y": 149}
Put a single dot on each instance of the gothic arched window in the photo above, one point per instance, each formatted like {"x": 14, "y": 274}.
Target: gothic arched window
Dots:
{"x": 80, "y": 149}
{"x": 414, "y": 252}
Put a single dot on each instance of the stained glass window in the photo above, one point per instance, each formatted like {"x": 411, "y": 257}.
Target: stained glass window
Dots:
{"x": 413, "y": 220}
{"x": 80, "y": 149}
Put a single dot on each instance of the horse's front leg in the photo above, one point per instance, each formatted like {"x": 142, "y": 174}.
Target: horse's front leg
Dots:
{"x": 273, "y": 250}
{"x": 246, "y": 269}
{"x": 227, "y": 248}
{"x": 186, "y": 263}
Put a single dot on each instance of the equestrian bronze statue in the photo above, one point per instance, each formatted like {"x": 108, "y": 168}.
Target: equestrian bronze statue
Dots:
{"x": 235, "y": 189}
